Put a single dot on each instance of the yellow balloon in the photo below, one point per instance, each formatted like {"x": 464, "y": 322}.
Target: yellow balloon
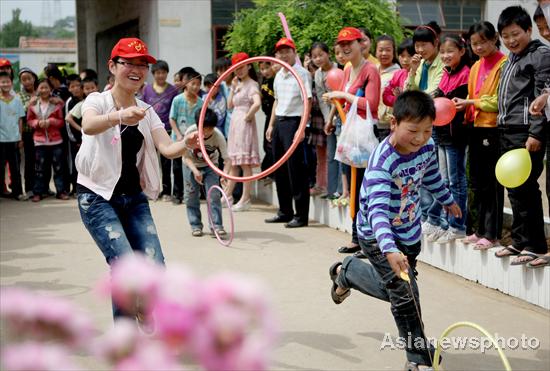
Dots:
{"x": 513, "y": 168}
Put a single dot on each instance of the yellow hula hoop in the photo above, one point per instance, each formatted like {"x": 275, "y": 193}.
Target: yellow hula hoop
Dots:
{"x": 476, "y": 327}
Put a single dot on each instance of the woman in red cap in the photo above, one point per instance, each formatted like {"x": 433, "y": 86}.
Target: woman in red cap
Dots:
{"x": 118, "y": 166}
{"x": 362, "y": 80}
{"x": 242, "y": 140}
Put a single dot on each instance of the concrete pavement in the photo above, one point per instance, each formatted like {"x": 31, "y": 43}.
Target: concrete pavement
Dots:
{"x": 45, "y": 247}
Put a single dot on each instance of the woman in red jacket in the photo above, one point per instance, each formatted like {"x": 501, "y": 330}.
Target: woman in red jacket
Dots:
{"x": 362, "y": 80}
{"x": 46, "y": 119}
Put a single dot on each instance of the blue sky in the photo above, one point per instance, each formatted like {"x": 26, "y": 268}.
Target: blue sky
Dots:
{"x": 37, "y": 11}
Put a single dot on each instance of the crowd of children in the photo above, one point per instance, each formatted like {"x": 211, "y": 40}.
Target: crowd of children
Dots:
{"x": 42, "y": 122}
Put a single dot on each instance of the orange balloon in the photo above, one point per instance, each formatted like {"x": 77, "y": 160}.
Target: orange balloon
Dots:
{"x": 445, "y": 111}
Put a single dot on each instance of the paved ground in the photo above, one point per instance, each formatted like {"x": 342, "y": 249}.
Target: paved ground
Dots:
{"x": 45, "y": 247}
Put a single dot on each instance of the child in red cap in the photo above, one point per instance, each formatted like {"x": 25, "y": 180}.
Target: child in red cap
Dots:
{"x": 361, "y": 82}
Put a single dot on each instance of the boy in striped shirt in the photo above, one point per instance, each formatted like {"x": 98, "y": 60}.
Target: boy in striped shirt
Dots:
{"x": 388, "y": 223}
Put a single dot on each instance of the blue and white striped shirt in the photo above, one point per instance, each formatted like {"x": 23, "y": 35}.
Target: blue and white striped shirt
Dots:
{"x": 390, "y": 196}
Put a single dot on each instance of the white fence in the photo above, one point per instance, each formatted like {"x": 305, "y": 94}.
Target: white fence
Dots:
{"x": 531, "y": 285}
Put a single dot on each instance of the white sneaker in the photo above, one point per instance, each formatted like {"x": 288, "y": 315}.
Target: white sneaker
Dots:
{"x": 428, "y": 228}
{"x": 244, "y": 206}
{"x": 450, "y": 235}
{"x": 434, "y": 236}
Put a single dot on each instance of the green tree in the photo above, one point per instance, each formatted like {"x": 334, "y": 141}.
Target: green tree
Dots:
{"x": 11, "y": 31}
{"x": 256, "y": 30}
{"x": 62, "y": 29}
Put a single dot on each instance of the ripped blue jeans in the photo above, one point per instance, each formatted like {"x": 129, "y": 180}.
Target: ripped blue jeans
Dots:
{"x": 120, "y": 226}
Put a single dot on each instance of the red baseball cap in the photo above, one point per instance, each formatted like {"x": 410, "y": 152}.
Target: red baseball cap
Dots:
{"x": 285, "y": 43}
{"x": 349, "y": 34}
{"x": 132, "y": 48}
{"x": 238, "y": 57}
{"x": 4, "y": 62}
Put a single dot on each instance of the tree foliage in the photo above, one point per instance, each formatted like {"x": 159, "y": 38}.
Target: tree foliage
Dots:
{"x": 12, "y": 30}
{"x": 256, "y": 30}
{"x": 62, "y": 29}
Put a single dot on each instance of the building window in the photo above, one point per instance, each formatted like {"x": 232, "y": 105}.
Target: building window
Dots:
{"x": 451, "y": 15}
{"x": 223, "y": 14}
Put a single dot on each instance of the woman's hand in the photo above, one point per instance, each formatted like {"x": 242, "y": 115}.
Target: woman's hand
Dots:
{"x": 192, "y": 140}
{"x": 132, "y": 115}
{"x": 327, "y": 97}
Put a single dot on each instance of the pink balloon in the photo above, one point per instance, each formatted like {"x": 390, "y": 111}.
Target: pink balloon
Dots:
{"x": 335, "y": 79}
{"x": 445, "y": 111}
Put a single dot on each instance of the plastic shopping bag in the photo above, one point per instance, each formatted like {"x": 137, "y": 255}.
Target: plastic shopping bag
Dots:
{"x": 357, "y": 140}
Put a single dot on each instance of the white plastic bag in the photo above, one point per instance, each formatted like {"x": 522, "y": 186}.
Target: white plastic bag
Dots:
{"x": 357, "y": 140}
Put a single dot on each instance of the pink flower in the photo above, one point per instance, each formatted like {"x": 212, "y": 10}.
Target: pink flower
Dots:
{"x": 32, "y": 316}
{"x": 134, "y": 281}
{"x": 177, "y": 307}
{"x": 236, "y": 329}
{"x": 36, "y": 357}
{"x": 149, "y": 356}
{"x": 119, "y": 343}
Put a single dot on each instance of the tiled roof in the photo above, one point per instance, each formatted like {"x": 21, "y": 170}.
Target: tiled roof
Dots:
{"x": 36, "y": 43}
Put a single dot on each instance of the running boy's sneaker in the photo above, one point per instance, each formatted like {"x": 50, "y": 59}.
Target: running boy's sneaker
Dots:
{"x": 450, "y": 235}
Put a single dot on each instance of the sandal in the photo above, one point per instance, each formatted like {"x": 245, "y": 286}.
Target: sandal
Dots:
{"x": 473, "y": 238}
{"x": 525, "y": 254}
{"x": 336, "y": 298}
{"x": 349, "y": 249}
{"x": 543, "y": 261}
{"x": 509, "y": 250}
{"x": 484, "y": 244}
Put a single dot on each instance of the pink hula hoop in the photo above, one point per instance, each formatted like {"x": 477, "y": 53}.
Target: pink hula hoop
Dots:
{"x": 212, "y": 227}
{"x": 301, "y": 128}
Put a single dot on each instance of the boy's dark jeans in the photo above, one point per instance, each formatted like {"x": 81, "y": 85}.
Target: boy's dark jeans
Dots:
{"x": 376, "y": 278}
{"x": 46, "y": 156}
